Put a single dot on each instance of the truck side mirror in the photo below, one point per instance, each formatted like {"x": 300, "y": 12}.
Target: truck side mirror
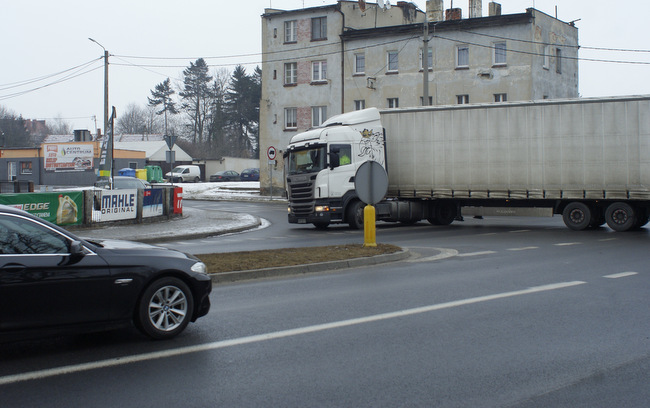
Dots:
{"x": 334, "y": 160}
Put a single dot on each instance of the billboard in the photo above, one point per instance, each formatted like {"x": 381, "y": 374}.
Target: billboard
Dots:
{"x": 65, "y": 208}
{"x": 74, "y": 157}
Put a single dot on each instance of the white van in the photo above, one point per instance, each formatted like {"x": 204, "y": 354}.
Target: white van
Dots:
{"x": 184, "y": 173}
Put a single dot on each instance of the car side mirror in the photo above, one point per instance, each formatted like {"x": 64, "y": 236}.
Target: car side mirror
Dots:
{"x": 76, "y": 252}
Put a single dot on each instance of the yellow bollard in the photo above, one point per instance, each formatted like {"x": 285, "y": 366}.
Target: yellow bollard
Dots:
{"x": 369, "y": 233}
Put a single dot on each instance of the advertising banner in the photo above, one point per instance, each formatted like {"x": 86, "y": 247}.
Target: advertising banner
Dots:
{"x": 60, "y": 157}
{"x": 65, "y": 208}
{"x": 118, "y": 205}
{"x": 152, "y": 204}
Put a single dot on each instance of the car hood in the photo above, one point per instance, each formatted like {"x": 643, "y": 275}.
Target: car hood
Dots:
{"x": 119, "y": 247}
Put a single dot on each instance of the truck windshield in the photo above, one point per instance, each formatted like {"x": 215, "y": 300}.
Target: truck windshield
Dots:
{"x": 309, "y": 160}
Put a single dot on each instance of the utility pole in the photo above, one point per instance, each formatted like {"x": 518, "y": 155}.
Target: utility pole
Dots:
{"x": 425, "y": 62}
{"x": 105, "y": 85}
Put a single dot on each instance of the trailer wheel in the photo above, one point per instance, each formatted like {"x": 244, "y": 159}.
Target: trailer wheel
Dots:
{"x": 443, "y": 214}
{"x": 577, "y": 216}
{"x": 620, "y": 217}
{"x": 354, "y": 215}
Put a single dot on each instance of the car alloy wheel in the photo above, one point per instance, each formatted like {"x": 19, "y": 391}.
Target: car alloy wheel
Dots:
{"x": 166, "y": 308}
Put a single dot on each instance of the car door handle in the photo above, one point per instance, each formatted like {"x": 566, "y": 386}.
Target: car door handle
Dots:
{"x": 124, "y": 281}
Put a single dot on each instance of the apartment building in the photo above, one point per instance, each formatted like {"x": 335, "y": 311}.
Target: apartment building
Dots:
{"x": 323, "y": 61}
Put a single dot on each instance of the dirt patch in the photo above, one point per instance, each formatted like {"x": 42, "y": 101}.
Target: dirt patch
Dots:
{"x": 273, "y": 258}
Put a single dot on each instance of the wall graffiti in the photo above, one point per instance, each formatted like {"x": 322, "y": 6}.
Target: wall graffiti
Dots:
{"x": 371, "y": 145}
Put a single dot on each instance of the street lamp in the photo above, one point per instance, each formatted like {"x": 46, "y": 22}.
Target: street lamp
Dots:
{"x": 105, "y": 85}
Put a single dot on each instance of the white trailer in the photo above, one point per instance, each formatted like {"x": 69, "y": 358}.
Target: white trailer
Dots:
{"x": 586, "y": 159}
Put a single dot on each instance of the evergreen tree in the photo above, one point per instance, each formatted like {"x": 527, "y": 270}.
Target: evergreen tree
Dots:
{"x": 162, "y": 95}
{"x": 196, "y": 96}
{"x": 12, "y": 130}
{"x": 243, "y": 110}
{"x": 217, "y": 122}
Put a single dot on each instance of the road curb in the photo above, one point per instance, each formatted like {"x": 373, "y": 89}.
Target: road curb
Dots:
{"x": 230, "y": 277}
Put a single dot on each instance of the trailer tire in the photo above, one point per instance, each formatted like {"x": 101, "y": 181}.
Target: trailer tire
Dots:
{"x": 354, "y": 215}
{"x": 620, "y": 217}
{"x": 577, "y": 216}
{"x": 443, "y": 214}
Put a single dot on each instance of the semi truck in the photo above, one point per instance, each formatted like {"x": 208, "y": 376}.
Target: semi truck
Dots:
{"x": 586, "y": 159}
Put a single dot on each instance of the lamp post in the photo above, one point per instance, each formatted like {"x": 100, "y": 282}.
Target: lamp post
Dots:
{"x": 105, "y": 85}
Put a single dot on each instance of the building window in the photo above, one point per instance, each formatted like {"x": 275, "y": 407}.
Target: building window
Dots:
{"x": 359, "y": 63}
{"x": 422, "y": 101}
{"x": 291, "y": 73}
{"x": 501, "y": 97}
{"x": 319, "y": 28}
{"x": 319, "y": 71}
{"x": 462, "y": 99}
{"x": 547, "y": 57}
{"x": 318, "y": 115}
{"x": 429, "y": 60}
{"x": 291, "y": 118}
{"x": 558, "y": 60}
{"x": 290, "y": 28}
{"x": 359, "y": 104}
{"x": 462, "y": 56}
{"x": 500, "y": 53}
{"x": 393, "y": 102}
{"x": 393, "y": 61}
{"x": 26, "y": 168}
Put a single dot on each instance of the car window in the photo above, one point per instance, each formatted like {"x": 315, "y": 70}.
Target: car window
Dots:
{"x": 22, "y": 236}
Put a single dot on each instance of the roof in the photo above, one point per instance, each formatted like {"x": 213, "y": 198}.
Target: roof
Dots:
{"x": 154, "y": 150}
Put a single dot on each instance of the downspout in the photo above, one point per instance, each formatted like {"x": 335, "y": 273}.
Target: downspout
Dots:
{"x": 338, "y": 8}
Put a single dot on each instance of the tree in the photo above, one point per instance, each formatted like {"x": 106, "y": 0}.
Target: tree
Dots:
{"x": 12, "y": 130}
{"x": 217, "y": 121}
{"x": 242, "y": 100}
{"x": 59, "y": 127}
{"x": 162, "y": 95}
{"x": 132, "y": 121}
{"x": 196, "y": 96}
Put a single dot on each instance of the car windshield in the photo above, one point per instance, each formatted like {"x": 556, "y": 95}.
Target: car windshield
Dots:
{"x": 309, "y": 160}
{"x": 177, "y": 170}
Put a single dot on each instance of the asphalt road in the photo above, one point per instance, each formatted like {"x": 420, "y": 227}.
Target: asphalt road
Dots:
{"x": 502, "y": 312}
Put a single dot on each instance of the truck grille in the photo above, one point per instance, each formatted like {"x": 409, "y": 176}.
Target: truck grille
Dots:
{"x": 301, "y": 195}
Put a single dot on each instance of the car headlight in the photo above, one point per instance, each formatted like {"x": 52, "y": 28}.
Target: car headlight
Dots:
{"x": 199, "y": 267}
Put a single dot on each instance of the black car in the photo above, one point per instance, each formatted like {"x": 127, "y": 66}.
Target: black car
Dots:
{"x": 53, "y": 281}
{"x": 252, "y": 174}
{"x": 225, "y": 175}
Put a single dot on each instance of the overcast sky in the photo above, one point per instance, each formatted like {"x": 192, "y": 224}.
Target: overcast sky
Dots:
{"x": 50, "y": 69}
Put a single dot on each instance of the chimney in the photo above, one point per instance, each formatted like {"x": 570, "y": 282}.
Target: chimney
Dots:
{"x": 435, "y": 9}
{"x": 494, "y": 9}
{"x": 475, "y": 8}
{"x": 454, "y": 14}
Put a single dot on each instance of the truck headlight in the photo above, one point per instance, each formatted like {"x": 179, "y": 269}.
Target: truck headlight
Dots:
{"x": 321, "y": 208}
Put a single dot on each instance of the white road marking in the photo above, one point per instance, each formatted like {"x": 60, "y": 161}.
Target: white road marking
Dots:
{"x": 567, "y": 243}
{"x": 523, "y": 248}
{"x": 477, "y": 253}
{"x": 113, "y": 362}
{"x": 607, "y": 239}
{"x": 444, "y": 254}
{"x": 620, "y": 275}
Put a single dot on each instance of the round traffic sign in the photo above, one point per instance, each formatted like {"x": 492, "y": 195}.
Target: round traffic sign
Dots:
{"x": 371, "y": 182}
{"x": 271, "y": 152}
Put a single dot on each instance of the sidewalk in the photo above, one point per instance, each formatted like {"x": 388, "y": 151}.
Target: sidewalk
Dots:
{"x": 195, "y": 223}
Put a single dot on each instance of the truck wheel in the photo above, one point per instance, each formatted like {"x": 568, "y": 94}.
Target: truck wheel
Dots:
{"x": 577, "y": 216}
{"x": 620, "y": 217}
{"x": 355, "y": 215}
{"x": 443, "y": 214}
